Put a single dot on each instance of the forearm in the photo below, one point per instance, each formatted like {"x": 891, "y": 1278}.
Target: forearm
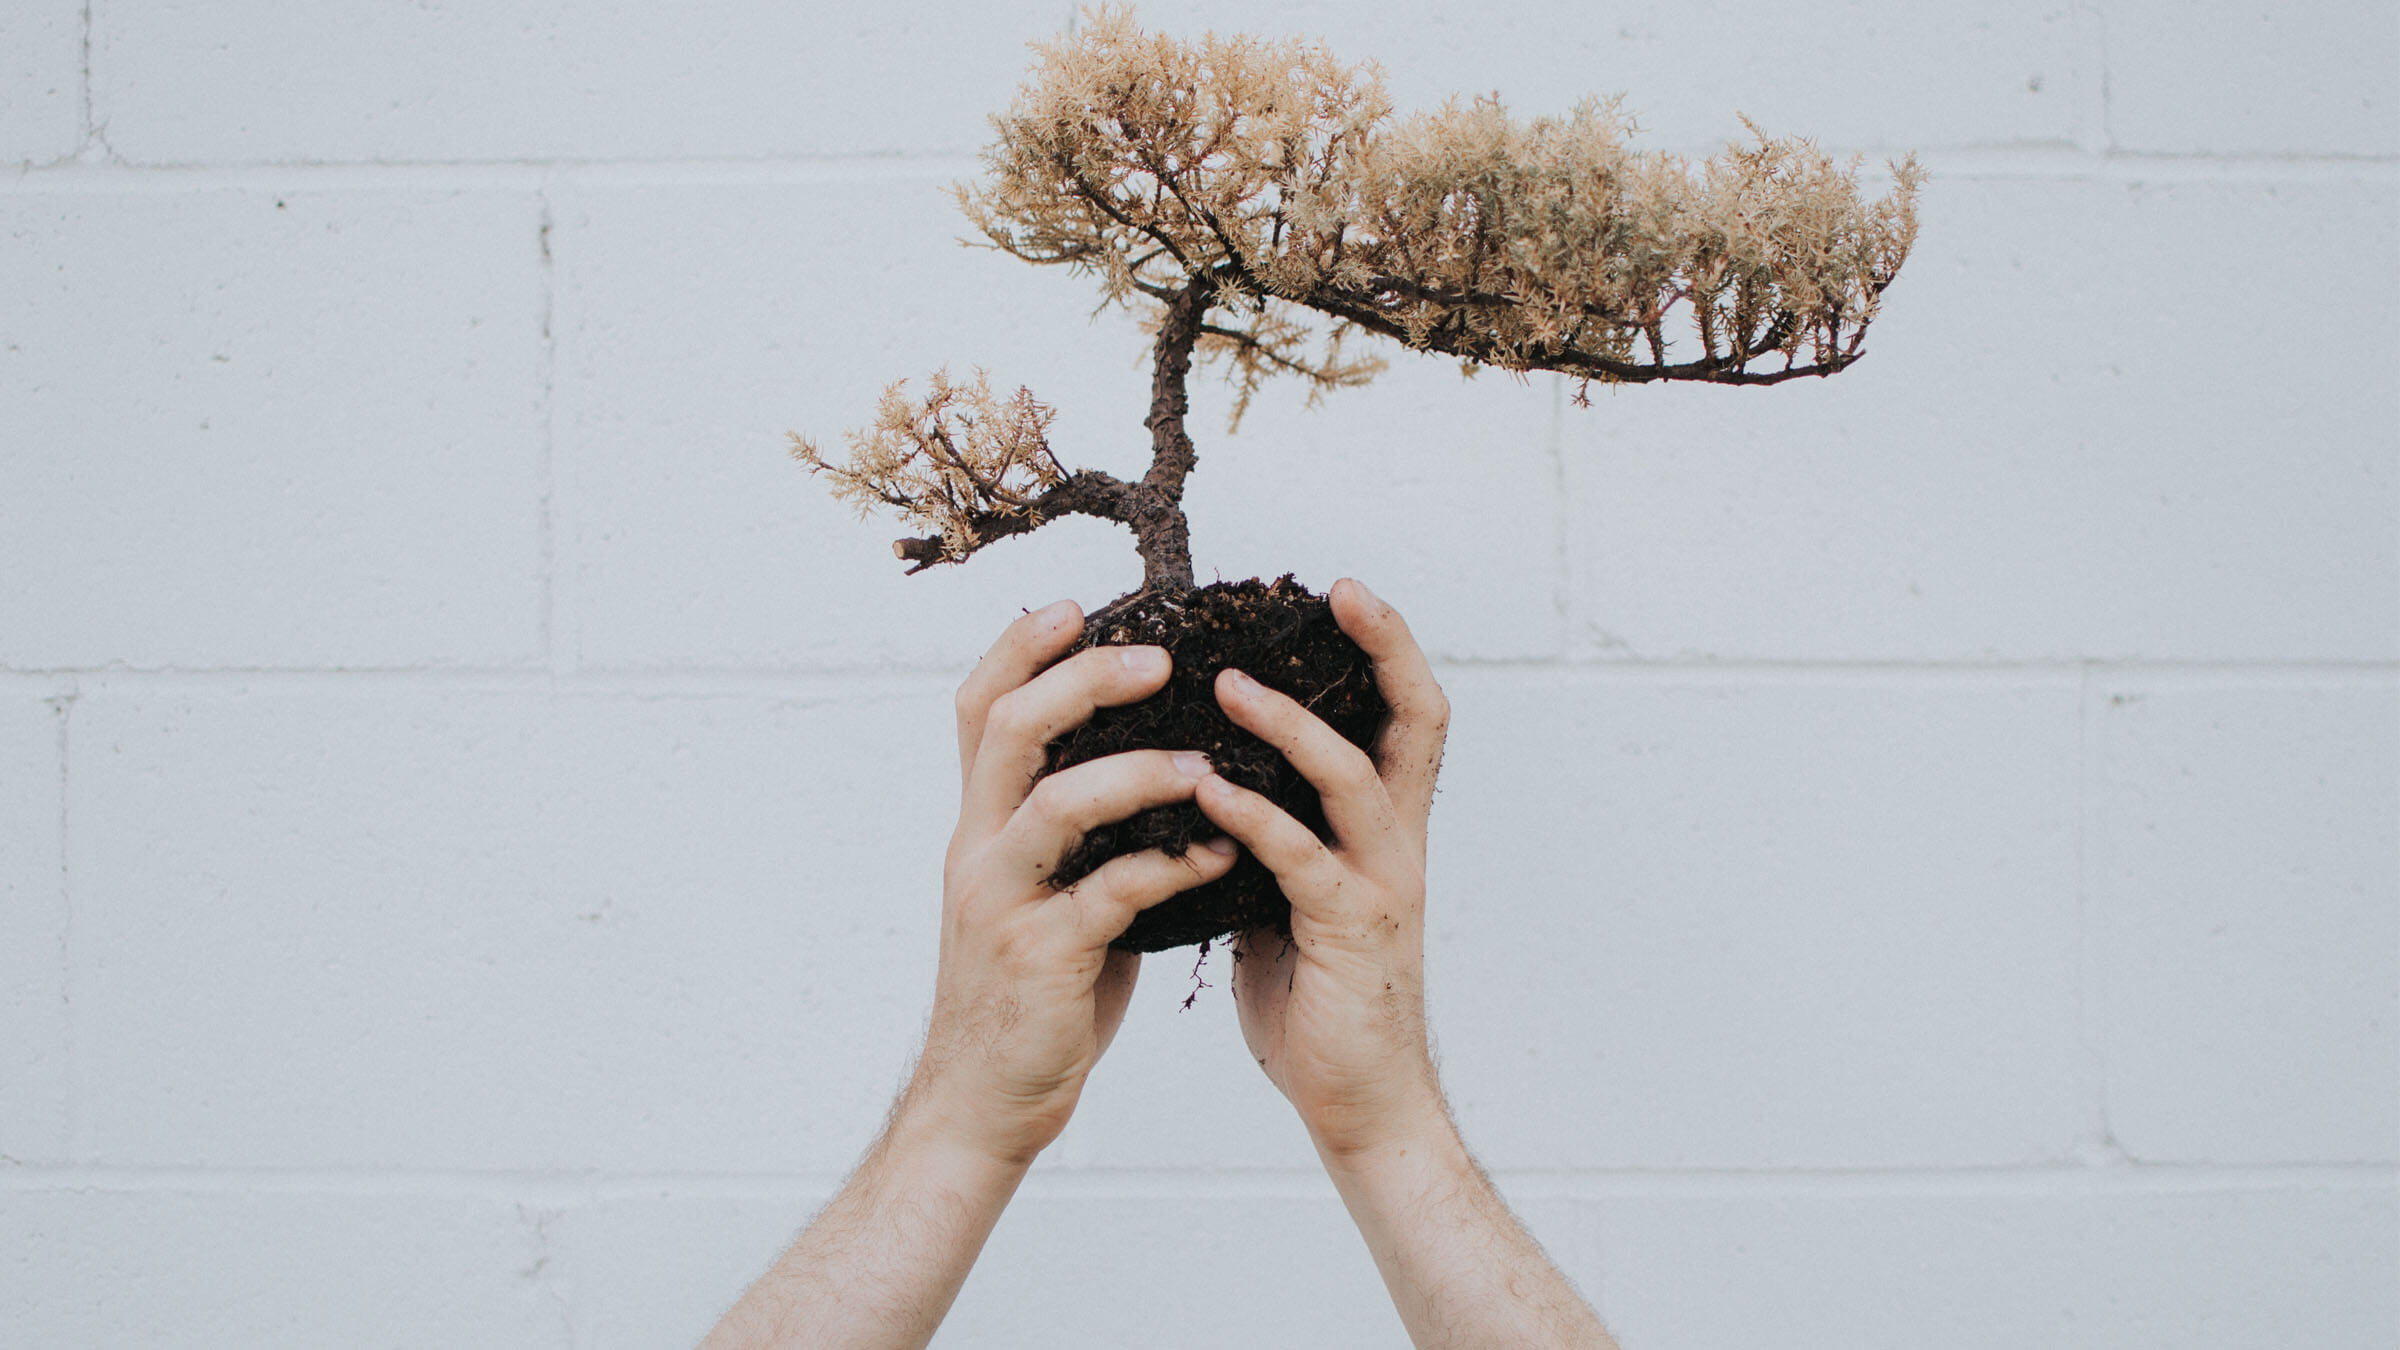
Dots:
{"x": 1460, "y": 1268}
{"x": 879, "y": 1266}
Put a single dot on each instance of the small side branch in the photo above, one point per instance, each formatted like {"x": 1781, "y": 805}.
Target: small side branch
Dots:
{"x": 1084, "y": 493}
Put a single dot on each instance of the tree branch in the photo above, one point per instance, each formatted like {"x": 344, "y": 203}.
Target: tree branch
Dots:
{"x": 1087, "y": 492}
{"x": 1250, "y": 342}
{"x": 1361, "y": 310}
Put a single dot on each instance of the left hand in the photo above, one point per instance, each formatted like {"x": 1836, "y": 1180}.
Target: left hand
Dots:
{"x": 1029, "y": 993}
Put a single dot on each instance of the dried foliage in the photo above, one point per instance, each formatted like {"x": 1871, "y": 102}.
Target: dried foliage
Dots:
{"x": 1258, "y": 204}
{"x": 1279, "y": 175}
{"x": 1151, "y": 162}
{"x": 1552, "y": 245}
{"x": 957, "y": 461}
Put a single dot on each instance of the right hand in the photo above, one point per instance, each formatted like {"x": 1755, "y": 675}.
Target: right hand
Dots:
{"x": 1029, "y": 993}
{"x": 1336, "y": 1015}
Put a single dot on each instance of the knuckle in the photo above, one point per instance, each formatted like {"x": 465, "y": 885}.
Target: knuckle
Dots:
{"x": 1437, "y": 710}
{"x": 1321, "y": 874}
{"x": 1102, "y": 889}
{"x": 1353, "y": 768}
{"x": 1014, "y": 716}
{"x": 1051, "y": 800}
{"x": 1235, "y": 802}
{"x": 1096, "y": 665}
{"x": 1278, "y": 850}
{"x": 972, "y": 897}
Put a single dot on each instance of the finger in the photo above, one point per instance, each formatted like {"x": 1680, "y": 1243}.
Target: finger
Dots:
{"x": 1025, "y": 647}
{"x": 1071, "y": 803}
{"x": 1299, "y": 860}
{"x": 1024, "y": 720}
{"x": 1355, "y": 804}
{"x": 1408, "y": 751}
{"x": 1103, "y": 904}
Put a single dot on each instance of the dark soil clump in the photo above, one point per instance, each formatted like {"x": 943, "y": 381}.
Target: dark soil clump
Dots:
{"x": 1278, "y": 633}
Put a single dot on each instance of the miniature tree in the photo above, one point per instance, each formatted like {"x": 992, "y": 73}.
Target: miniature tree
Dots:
{"x": 1259, "y": 206}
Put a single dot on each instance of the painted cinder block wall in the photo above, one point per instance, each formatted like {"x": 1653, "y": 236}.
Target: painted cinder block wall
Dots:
{"x": 1919, "y": 863}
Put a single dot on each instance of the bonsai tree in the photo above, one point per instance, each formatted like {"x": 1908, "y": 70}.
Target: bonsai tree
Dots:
{"x": 1260, "y": 207}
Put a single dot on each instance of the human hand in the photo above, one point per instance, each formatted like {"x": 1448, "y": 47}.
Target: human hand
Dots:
{"x": 1336, "y": 1016}
{"x": 1028, "y": 993}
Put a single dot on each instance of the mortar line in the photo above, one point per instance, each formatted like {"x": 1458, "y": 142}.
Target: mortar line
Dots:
{"x": 2092, "y": 133}
{"x": 83, "y": 137}
{"x": 842, "y": 680}
{"x": 2054, "y": 668}
{"x": 2090, "y": 998}
{"x": 71, "y": 1126}
{"x": 547, "y": 474}
{"x": 536, "y": 1217}
{"x": 2057, "y": 160}
{"x": 849, "y": 687}
{"x": 541, "y": 1186}
{"x": 114, "y": 175}
{"x": 2108, "y": 106}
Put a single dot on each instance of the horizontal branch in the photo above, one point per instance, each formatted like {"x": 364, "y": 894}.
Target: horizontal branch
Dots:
{"x": 1087, "y": 492}
{"x": 1360, "y": 308}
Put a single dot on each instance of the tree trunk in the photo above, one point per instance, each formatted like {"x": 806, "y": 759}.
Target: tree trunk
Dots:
{"x": 1161, "y": 533}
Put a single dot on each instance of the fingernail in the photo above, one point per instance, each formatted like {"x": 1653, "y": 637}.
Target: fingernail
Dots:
{"x": 1143, "y": 660}
{"x": 1054, "y": 611}
{"x": 1362, "y": 590}
{"x": 1221, "y": 846}
{"x": 1241, "y": 681}
{"x": 1191, "y": 764}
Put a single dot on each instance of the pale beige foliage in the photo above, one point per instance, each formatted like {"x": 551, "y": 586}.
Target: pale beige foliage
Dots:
{"x": 1150, "y": 161}
{"x": 1278, "y": 175}
{"x": 956, "y": 461}
{"x": 1552, "y": 244}
{"x": 1258, "y": 204}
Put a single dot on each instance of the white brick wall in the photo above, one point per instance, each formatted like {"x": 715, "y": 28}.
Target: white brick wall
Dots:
{"x": 521, "y": 905}
{"x": 532, "y": 80}
{"x": 2099, "y": 1268}
{"x": 2320, "y": 78}
{"x": 33, "y": 934}
{"x": 41, "y": 81}
{"x": 1920, "y": 860}
{"x": 162, "y": 1266}
{"x": 2242, "y": 849}
{"x": 264, "y": 426}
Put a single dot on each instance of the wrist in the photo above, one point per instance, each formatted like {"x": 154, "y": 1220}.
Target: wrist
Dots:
{"x": 1359, "y": 1141}
{"x": 1403, "y": 1169}
{"x": 945, "y": 1145}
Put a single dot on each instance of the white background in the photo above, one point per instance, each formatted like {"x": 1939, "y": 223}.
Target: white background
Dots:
{"x": 1917, "y": 866}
